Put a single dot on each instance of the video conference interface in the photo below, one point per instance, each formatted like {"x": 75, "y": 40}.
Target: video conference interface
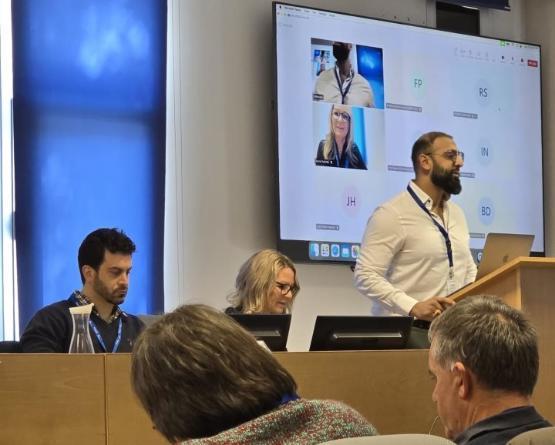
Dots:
{"x": 375, "y": 87}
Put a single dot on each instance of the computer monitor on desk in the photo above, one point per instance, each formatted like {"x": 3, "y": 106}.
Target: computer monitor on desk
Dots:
{"x": 332, "y": 333}
{"x": 273, "y": 330}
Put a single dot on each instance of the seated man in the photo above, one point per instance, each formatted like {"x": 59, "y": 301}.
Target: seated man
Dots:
{"x": 484, "y": 359}
{"x": 104, "y": 263}
{"x": 203, "y": 379}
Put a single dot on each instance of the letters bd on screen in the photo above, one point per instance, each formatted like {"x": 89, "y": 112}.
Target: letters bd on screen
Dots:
{"x": 406, "y": 80}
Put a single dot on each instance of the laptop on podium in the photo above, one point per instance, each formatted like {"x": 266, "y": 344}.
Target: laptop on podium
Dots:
{"x": 501, "y": 248}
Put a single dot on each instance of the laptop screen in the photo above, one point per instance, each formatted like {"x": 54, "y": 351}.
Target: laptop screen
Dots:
{"x": 501, "y": 248}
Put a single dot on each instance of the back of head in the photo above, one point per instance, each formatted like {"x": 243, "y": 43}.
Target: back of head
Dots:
{"x": 197, "y": 373}
{"x": 492, "y": 339}
{"x": 424, "y": 144}
{"x": 257, "y": 278}
{"x": 93, "y": 247}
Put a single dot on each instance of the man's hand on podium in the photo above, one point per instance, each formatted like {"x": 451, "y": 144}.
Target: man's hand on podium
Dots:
{"x": 430, "y": 308}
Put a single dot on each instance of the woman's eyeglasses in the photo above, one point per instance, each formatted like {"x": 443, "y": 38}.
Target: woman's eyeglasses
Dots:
{"x": 286, "y": 288}
{"x": 341, "y": 115}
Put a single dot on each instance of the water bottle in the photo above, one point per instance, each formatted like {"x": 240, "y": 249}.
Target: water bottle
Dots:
{"x": 81, "y": 341}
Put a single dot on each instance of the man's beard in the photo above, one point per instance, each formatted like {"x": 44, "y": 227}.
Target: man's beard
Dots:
{"x": 446, "y": 180}
{"x": 116, "y": 297}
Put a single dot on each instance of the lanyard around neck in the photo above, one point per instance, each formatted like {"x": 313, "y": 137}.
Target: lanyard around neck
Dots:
{"x": 101, "y": 340}
{"x": 342, "y": 160}
{"x": 339, "y": 84}
{"x": 438, "y": 225}
{"x": 289, "y": 397}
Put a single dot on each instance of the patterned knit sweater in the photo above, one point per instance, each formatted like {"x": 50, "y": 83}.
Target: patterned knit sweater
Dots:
{"x": 301, "y": 422}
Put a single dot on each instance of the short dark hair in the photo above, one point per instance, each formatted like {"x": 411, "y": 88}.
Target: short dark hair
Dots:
{"x": 424, "y": 144}
{"x": 95, "y": 245}
{"x": 341, "y": 51}
{"x": 496, "y": 342}
{"x": 197, "y": 372}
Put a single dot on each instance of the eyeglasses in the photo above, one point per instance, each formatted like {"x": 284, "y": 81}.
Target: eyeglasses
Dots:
{"x": 286, "y": 288}
{"x": 450, "y": 155}
{"x": 341, "y": 115}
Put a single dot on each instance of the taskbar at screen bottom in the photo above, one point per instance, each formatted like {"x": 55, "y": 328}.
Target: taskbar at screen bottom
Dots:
{"x": 328, "y": 251}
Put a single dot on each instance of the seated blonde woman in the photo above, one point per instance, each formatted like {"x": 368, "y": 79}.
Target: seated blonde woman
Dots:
{"x": 204, "y": 380}
{"x": 266, "y": 284}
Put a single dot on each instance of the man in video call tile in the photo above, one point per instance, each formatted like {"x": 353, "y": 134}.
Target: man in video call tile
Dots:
{"x": 105, "y": 264}
{"x": 415, "y": 249}
{"x": 340, "y": 84}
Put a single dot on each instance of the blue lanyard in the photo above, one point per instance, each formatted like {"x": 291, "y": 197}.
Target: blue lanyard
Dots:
{"x": 438, "y": 225}
{"x": 289, "y": 397}
{"x": 99, "y": 337}
{"x": 338, "y": 157}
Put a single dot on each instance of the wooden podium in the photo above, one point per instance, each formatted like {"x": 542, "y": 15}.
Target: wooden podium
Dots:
{"x": 528, "y": 284}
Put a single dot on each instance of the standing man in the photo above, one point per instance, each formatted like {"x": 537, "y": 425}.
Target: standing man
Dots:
{"x": 105, "y": 264}
{"x": 484, "y": 361}
{"x": 415, "y": 249}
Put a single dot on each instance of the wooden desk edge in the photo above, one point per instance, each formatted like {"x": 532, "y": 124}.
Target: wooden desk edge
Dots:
{"x": 537, "y": 262}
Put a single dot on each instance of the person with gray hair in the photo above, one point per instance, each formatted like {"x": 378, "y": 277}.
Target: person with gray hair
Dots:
{"x": 484, "y": 360}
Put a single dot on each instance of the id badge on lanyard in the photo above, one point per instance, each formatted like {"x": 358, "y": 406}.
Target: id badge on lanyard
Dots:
{"x": 451, "y": 287}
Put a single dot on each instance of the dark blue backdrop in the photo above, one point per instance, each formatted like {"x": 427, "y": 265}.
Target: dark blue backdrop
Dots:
{"x": 370, "y": 66}
{"x": 89, "y": 134}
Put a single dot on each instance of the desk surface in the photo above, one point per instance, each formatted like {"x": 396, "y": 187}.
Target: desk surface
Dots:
{"x": 52, "y": 399}
{"x": 87, "y": 399}
{"x": 392, "y": 389}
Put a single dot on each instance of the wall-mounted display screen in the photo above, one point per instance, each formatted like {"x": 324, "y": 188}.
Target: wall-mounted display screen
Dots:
{"x": 376, "y": 86}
